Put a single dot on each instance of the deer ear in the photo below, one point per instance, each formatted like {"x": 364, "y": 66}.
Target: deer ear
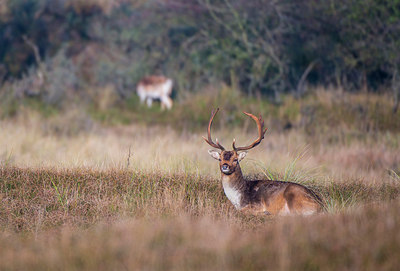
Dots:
{"x": 242, "y": 155}
{"x": 214, "y": 154}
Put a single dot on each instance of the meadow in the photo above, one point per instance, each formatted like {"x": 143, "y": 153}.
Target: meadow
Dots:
{"x": 127, "y": 188}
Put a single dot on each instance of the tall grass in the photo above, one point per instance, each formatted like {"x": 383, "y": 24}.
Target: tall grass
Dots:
{"x": 82, "y": 197}
{"x": 30, "y": 143}
{"x": 85, "y": 219}
{"x": 79, "y": 194}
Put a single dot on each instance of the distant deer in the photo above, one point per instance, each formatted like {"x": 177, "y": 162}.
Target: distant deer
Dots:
{"x": 259, "y": 196}
{"x": 155, "y": 87}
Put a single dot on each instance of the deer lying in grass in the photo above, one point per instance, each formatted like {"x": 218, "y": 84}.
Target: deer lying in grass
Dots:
{"x": 155, "y": 87}
{"x": 259, "y": 196}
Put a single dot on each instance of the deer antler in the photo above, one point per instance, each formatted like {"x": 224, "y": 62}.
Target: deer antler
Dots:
{"x": 261, "y": 132}
{"x": 209, "y": 140}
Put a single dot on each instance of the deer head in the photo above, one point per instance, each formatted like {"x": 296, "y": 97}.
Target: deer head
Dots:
{"x": 229, "y": 160}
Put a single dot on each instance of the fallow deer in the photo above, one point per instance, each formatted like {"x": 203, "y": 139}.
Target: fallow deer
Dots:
{"x": 155, "y": 87}
{"x": 259, "y": 196}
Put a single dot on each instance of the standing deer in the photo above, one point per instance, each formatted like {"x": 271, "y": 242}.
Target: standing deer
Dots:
{"x": 259, "y": 196}
{"x": 155, "y": 87}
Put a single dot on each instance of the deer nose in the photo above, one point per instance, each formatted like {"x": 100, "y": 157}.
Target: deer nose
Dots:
{"x": 225, "y": 167}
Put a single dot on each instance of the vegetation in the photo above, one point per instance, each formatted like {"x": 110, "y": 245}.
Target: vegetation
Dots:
{"x": 92, "y": 179}
{"x": 183, "y": 221}
{"x": 318, "y": 111}
{"x": 85, "y": 197}
{"x": 268, "y": 48}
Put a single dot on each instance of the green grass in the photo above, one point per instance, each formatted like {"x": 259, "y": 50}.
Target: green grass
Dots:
{"x": 316, "y": 113}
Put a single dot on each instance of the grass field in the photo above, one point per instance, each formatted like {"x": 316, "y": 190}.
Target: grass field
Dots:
{"x": 134, "y": 196}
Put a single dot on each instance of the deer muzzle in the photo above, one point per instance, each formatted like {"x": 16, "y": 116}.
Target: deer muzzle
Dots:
{"x": 225, "y": 168}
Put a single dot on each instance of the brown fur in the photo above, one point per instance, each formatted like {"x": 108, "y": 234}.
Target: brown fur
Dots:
{"x": 152, "y": 80}
{"x": 155, "y": 87}
{"x": 227, "y": 155}
{"x": 259, "y": 196}
{"x": 266, "y": 196}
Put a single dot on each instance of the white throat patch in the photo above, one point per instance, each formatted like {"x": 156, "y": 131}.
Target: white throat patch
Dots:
{"x": 231, "y": 193}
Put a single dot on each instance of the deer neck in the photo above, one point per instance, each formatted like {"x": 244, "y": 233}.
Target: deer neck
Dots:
{"x": 234, "y": 185}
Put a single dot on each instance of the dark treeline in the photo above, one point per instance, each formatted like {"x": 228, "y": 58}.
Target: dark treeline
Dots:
{"x": 59, "y": 48}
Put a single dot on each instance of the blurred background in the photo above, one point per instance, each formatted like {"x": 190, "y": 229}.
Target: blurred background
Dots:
{"x": 94, "y": 52}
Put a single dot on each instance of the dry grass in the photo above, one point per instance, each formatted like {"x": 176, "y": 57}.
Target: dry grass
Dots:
{"x": 83, "y": 219}
{"x": 137, "y": 197}
{"x": 366, "y": 239}
{"x": 34, "y": 200}
{"x": 28, "y": 143}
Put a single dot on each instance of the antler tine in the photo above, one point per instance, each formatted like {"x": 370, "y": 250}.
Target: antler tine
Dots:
{"x": 209, "y": 140}
{"x": 261, "y": 133}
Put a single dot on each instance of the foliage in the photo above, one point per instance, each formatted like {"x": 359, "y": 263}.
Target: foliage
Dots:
{"x": 263, "y": 47}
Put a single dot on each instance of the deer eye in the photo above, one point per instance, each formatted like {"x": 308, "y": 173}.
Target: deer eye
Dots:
{"x": 235, "y": 160}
